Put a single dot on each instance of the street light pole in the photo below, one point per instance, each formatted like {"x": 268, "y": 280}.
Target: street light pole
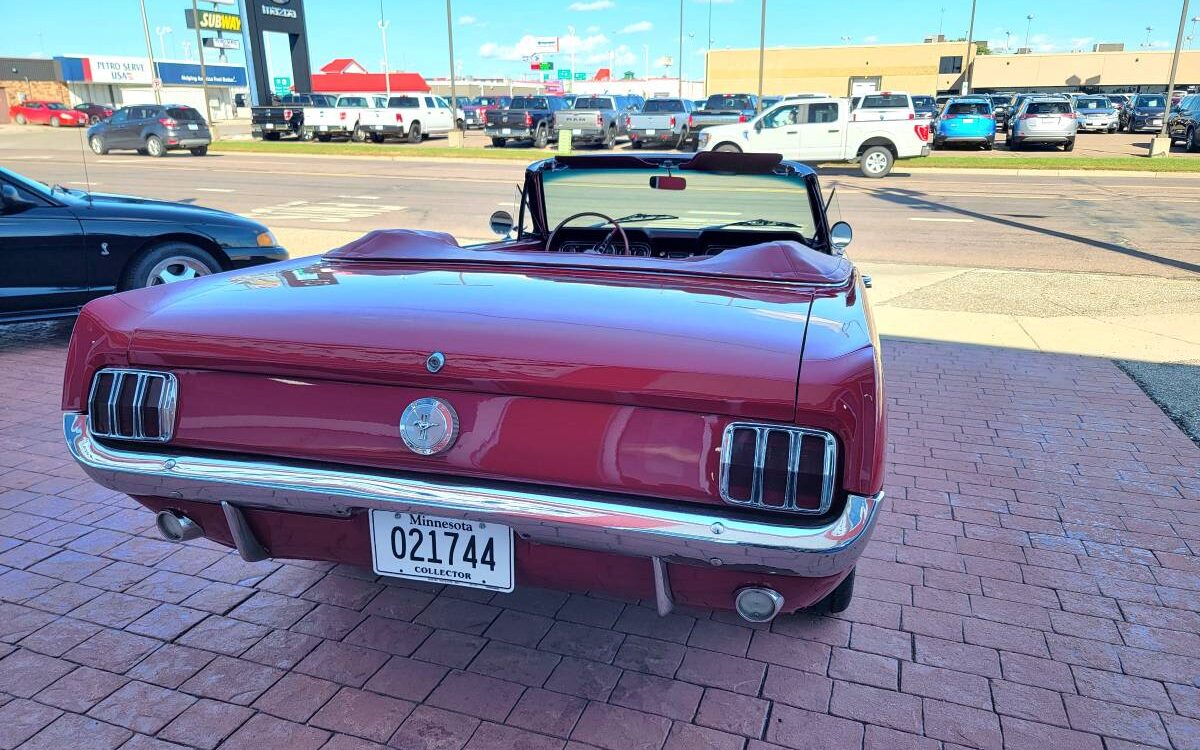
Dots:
{"x": 387, "y": 69}
{"x": 203, "y": 71}
{"x": 680, "y": 71}
{"x": 453, "y": 88}
{"x": 966, "y": 87}
{"x": 762, "y": 52}
{"x": 150, "y": 55}
{"x": 1163, "y": 147}
{"x": 1028, "y": 27}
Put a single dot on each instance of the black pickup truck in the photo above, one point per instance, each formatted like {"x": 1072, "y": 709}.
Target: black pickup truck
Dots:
{"x": 285, "y": 115}
{"x": 526, "y": 118}
{"x": 722, "y": 109}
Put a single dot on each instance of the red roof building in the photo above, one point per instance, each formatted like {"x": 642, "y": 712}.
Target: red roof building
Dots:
{"x": 344, "y": 76}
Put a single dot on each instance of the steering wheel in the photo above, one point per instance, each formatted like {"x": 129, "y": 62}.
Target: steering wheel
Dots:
{"x": 608, "y": 219}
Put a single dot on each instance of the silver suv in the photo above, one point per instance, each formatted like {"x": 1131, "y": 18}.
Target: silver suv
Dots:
{"x": 1043, "y": 119}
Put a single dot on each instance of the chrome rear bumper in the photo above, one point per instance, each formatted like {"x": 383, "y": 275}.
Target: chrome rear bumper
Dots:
{"x": 706, "y": 535}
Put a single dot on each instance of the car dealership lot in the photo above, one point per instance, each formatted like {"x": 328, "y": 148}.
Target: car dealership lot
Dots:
{"x": 1033, "y": 580}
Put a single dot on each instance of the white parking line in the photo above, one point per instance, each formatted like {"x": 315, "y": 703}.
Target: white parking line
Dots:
{"x": 938, "y": 218}
{"x": 360, "y": 197}
{"x": 214, "y": 190}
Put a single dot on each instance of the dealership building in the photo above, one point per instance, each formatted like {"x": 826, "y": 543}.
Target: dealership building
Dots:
{"x": 128, "y": 80}
{"x": 937, "y": 67}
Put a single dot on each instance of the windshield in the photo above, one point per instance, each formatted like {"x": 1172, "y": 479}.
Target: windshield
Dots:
{"x": 187, "y": 114}
{"x": 1092, "y": 103}
{"x": 718, "y": 101}
{"x": 397, "y": 102}
{"x": 663, "y": 105}
{"x": 54, "y": 105}
{"x": 885, "y": 101}
{"x": 923, "y": 101}
{"x": 529, "y": 102}
{"x": 593, "y": 102}
{"x": 709, "y": 200}
{"x": 1048, "y": 108}
{"x": 1151, "y": 101}
{"x": 1001, "y": 101}
{"x": 968, "y": 108}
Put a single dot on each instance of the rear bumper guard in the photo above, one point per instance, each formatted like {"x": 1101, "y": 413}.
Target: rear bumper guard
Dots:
{"x": 704, "y": 535}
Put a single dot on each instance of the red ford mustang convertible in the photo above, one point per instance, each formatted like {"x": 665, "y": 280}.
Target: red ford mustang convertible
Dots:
{"x": 663, "y": 382}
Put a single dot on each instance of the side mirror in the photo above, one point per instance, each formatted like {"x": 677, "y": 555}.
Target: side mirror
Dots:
{"x": 758, "y": 126}
{"x": 11, "y": 201}
{"x": 840, "y": 236}
{"x": 502, "y": 223}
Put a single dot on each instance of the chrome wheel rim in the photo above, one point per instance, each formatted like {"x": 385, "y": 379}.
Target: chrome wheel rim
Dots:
{"x": 876, "y": 162}
{"x": 97, "y": 144}
{"x": 176, "y": 268}
{"x": 154, "y": 147}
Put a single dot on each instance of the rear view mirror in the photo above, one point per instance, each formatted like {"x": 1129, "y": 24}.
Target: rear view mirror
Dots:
{"x": 668, "y": 182}
{"x": 502, "y": 223}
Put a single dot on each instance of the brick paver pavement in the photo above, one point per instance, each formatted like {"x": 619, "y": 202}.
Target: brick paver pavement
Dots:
{"x": 1032, "y": 584}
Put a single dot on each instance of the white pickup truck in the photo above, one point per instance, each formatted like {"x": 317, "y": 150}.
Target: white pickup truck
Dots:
{"x": 821, "y": 130}
{"x": 340, "y": 120}
{"x": 409, "y": 117}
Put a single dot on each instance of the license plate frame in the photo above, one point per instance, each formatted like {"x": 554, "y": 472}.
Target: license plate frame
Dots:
{"x": 432, "y": 531}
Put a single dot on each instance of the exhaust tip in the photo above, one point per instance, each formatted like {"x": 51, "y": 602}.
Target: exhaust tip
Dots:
{"x": 758, "y": 604}
{"x": 176, "y": 527}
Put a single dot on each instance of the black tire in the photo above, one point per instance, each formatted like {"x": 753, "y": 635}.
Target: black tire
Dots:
{"x": 684, "y": 137}
{"x": 610, "y": 138}
{"x": 876, "y": 162}
{"x": 937, "y": 144}
{"x": 324, "y": 137}
{"x": 541, "y": 137}
{"x": 414, "y": 133}
{"x": 270, "y": 136}
{"x": 1069, "y": 145}
{"x": 839, "y": 599}
{"x": 137, "y": 274}
{"x": 358, "y": 135}
{"x": 499, "y": 142}
{"x": 376, "y": 137}
{"x": 55, "y": 122}
{"x": 1014, "y": 144}
{"x": 1192, "y": 142}
{"x": 155, "y": 146}
{"x": 988, "y": 145}
{"x": 20, "y": 120}
{"x": 307, "y": 135}
{"x": 199, "y": 150}
{"x": 93, "y": 119}
{"x": 459, "y": 124}
{"x": 635, "y": 145}
{"x": 728, "y": 148}
{"x": 98, "y": 146}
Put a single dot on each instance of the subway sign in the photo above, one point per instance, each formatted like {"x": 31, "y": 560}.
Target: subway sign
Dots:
{"x": 212, "y": 20}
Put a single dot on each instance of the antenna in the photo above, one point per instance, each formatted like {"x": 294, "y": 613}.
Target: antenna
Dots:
{"x": 829, "y": 202}
{"x": 83, "y": 160}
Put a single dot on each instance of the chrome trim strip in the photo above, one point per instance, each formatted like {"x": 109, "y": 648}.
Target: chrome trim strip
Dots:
{"x": 762, "y": 433}
{"x": 663, "y": 599}
{"x": 704, "y": 535}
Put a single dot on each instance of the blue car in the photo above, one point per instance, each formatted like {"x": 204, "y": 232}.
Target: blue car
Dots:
{"x": 966, "y": 119}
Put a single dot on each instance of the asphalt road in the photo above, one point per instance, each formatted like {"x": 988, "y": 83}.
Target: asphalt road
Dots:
{"x": 1125, "y": 224}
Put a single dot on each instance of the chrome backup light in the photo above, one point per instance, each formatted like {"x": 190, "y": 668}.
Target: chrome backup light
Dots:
{"x": 775, "y": 467}
{"x": 758, "y": 604}
{"x": 127, "y": 404}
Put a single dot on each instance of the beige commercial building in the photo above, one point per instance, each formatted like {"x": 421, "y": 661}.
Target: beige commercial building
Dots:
{"x": 937, "y": 67}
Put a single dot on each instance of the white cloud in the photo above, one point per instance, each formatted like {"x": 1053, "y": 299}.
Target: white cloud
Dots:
{"x": 870, "y": 39}
{"x": 467, "y": 20}
{"x": 591, "y": 5}
{"x": 527, "y": 45}
{"x": 593, "y": 29}
{"x": 621, "y": 55}
{"x": 635, "y": 28}
{"x": 1160, "y": 44}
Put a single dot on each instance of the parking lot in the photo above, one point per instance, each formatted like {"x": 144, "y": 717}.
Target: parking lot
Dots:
{"x": 1032, "y": 583}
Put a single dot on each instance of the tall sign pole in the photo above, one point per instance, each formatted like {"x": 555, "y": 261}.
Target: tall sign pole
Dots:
{"x": 762, "y": 53}
{"x": 680, "y": 49}
{"x": 1162, "y": 143}
{"x": 453, "y": 88}
{"x": 154, "y": 79}
{"x": 387, "y": 70}
{"x": 203, "y": 71}
{"x": 966, "y": 87}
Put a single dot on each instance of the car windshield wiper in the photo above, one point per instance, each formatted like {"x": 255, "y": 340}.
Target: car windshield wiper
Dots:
{"x": 646, "y": 217}
{"x": 760, "y": 223}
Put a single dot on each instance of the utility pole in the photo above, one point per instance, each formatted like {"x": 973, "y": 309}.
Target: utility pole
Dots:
{"x": 966, "y": 87}
{"x": 1162, "y": 143}
{"x": 203, "y": 71}
{"x": 387, "y": 70}
{"x": 680, "y": 71}
{"x": 762, "y": 52}
{"x": 150, "y": 54}
{"x": 453, "y": 88}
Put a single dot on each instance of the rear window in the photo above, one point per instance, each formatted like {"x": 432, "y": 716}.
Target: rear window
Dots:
{"x": 718, "y": 101}
{"x": 968, "y": 108}
{"x": 529, "y": 102}
{"x": 885, "y": 101}
{"x": 663, "y": 105}
{"x": 352, "y": 101}
{"x": 923, "y": 101}
{"x": 55, "y": 105}
{"x": 594, "y": 102}
{"x": 184, "y": 113}
{"x": 1001, "y": 101}
{"x": 1150, "y": 101}
{"x": 404, "y": 101}
{"x": 1048, "y": 108}
{"x": 1093, "y": 103}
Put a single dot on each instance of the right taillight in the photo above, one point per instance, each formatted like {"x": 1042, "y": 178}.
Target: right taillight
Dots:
{"x": 774, "y": 467}
{"x": 483, "y": 117}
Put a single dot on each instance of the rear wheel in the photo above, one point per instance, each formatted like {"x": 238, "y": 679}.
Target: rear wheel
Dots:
{"x": 876, "y": 162}
{"x": 1069, "y": 145}
{"x": 499, "y": 142}
{"x": 199, "y": 150}
{"x": 1014, "y": 144}
{"x": 168, "y": 263}
{"x": 97, "y": 144}
{"x": 635, "y": 145}
{"x": 376, "y": 137}
{"x": 684, "y": 137}
{"x": 728, "y": 148}
{"x": 610, "y": 138}
{"x": 324, "y": 137}
{"x": 359, "y": 135}
{"x": 93, "y": 119}
{"x": 839, "y": 599}
{"x": 270, "y": 136}
{"x": 988, "y": 145}
{"x": 541, "y": 137}
{"x": 54, "y": 122}
{"x": 1192, "y": 143}
{"x": 21, "y": 120}
{"x": 155, "y": 146}
{"x": 414, "y": 133}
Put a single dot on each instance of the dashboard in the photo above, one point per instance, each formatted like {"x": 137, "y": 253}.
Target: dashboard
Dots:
{"x": 670, "y": 244}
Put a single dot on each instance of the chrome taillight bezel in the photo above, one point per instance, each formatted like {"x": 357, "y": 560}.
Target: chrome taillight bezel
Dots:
{"x": 168, "y": 398}
{"x": 795, "y": 436}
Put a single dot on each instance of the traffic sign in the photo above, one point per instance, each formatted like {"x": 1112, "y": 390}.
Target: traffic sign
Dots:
{"x": 282, "y": 85}
{"x": 546, "y": 66}
{"x": 580, "y": 76}
{"x": 564, "y": 74}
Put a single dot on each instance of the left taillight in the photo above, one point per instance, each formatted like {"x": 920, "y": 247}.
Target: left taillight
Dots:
{"x": 775, "y": 467}
{"x": 129, "y": 404}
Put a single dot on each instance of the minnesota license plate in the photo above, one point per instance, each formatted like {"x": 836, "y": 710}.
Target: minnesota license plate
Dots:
{"x": 193, "y": 126}
{"x": 968, "y": 120}
{"x": 379, "y": 127}
{"x": 269, "y": 126}
{"x": 505, "y": 131}
{"x": 576, "y": 131}
{"x": 649, "y": 132}
{"x": 324, "y": 128}
{"x": 442, "y": 550}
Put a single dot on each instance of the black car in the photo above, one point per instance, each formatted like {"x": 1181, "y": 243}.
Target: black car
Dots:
{"x": 60, "y": 248}
{"x": 152, "y": 129}
{"x": 1146, "y": 112}
{"x": 1183, "y": 124}
{"x": 925, "y": 106}
{"x": 526, "y": 118}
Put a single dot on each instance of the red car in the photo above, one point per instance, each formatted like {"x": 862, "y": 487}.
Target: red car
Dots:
{"x": 665, "y": 386}
{"x": 53, "y": 114}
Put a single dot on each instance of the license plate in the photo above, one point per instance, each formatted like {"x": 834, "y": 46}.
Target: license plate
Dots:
{"x": 576, "y": 131}
{"x": 323, "y": 128}
{"x": 443, "y": 550}
{"x": 968, "y": 120}
{"x": 505, "y": 131}
{"x": 1158, "y": 121}
{"x": 193, "y": 126}
{"x": 269, "y": 126}
{"x": 379, "y": 127}
{"x": 649, "y": 132}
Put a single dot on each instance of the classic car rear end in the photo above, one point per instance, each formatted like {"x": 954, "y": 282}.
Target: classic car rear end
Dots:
{"x": 663, "y": 408}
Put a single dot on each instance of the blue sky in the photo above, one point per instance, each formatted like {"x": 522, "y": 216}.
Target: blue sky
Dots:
{"x": 490, "y": 37}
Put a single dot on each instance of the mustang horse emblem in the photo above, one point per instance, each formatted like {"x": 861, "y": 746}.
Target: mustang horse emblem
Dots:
{"x": 428, "y": 426}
